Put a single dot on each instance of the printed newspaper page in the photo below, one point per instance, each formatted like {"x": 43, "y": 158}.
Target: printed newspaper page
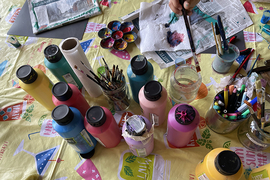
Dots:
{"x": 49, "y": 14}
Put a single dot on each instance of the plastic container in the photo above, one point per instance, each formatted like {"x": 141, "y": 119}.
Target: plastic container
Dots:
{"x": 68, "y": 123}
{"x": 138, "y": 134}
{"x": 37, "y": 84}
{"x": 153, "y": 100}
{"x": 183, "y": 120}
{"x": 58, "y": 65}
{"x": 100, "y": 123}
{"x": 262, "y": 172}
{"x": 220, "y": 164}
{"x": 139, "y": 72}
{"x": 69, "y": 95}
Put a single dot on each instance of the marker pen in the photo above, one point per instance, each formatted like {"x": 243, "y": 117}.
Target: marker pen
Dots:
{"x": 244, "y": 96}
{"x": 243, "y": 107}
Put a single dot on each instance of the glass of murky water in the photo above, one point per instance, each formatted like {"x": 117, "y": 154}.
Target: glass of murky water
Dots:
{"x": 184, "y": 84}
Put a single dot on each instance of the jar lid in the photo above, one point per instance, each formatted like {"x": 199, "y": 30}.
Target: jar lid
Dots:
{"x": 96, "y": 116}
{"x": 184, "y": 114}
{"x": 227, "y": 162}
{"x": 135, "y": 125}
{"x": 26, "y": 74}
{"x": 62, "y": 91}
{"x": 62, "y": 114}
{"x": 53, "y": 53}
{"x": 152, "y": 90}
{"x": 139, "y": 65}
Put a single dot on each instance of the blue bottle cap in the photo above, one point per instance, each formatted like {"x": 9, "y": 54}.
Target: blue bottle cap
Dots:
{"x": 253, "y": 101}
{"x": 62, "y": 114}
{"x": 95, "y": 116}
{"x": 62, "y": 91}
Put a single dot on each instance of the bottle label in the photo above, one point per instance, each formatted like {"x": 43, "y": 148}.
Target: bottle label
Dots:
{"x": 154, "y": 119}
{"x": 81, "y": 142}
{"x": 100, "y": 141}
{"x": 262, "y": 175}
{"x": 203, "y": 177}
{"x": 141, "y": 152}
{"x": 69, "y": 79}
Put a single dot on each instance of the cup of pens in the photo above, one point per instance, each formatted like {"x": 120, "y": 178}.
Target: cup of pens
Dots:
{"x": 252, "y": 136}
{"x": 224, "y": 119}
{"x": 116, "y": 89}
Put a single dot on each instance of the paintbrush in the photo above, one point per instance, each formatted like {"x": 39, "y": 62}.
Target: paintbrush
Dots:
{"x": 263, "y": 82}
{"x": 218, "y": 39}
{"x": 253, "y": 115}
{"x": 214, "y": 34}
{"x": 190, "y": 36}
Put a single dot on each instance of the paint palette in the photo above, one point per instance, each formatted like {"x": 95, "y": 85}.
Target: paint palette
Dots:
{"x": 117, "y": 35}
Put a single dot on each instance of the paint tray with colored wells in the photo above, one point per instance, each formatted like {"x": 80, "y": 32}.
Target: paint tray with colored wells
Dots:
{"x": 117, "y": 35}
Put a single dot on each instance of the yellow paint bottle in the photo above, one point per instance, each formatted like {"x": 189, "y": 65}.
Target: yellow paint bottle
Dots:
{"x": 260, "y": 173}
{"x": 220, "y": 164}
{"x": 37, "y": 84}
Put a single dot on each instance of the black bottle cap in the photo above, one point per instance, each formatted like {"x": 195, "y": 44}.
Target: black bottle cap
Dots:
{"x": 26, "y": 74}
{"x": 227, "y": 162}
{"x": 139, "y": 65}
{"x": 88, "y": 155}
{"x": 52, "y": 53}
{"x": 184, "y": 114}
{"x": 152, "y": 90}
{"x": 62, "y": 114}
{"x": 96, "y": 116}
{"x": 62, "y": 91}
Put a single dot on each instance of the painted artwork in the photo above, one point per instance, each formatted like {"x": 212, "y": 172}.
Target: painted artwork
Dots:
{"x": 174, "y": 38}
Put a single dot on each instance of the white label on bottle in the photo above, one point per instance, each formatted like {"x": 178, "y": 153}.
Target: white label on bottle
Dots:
{"x": 141, "y": 152}
{"x": 100, "y": 141}
{"x": 69, "y": 79}
{"x": 254, "y": 141}
{"x": 154, "y": 119}
{"x": 203, "y": 177}
{"x": 86, "y": 137}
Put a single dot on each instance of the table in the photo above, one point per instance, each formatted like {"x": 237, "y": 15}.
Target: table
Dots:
{"x": 29, "y": 146}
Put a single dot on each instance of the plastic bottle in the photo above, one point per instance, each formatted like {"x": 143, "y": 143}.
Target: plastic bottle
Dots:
{"x": 138, "y": 134}
{"x": 69, "y": 95}
{"x": 58, "y": 65}
{"x": 68, "y": 123}
{"x": 183, "y": 120}
{"x": 100, "y": 123}
{"x": 262, "y": 172}
{"x": 220, "y": 164}
{"x": 139, "y": 72}
{"x": 37, "y": 84}
{"x": 153, "y": 100}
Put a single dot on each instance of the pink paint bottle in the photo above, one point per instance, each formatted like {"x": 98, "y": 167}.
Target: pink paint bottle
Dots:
{"x": 153, "y": 100}
{"x": 69, "y": 95}
{"x": 138, "y": 134}
{"x": 100, "y": 123}
{"x": 183, "y": 120}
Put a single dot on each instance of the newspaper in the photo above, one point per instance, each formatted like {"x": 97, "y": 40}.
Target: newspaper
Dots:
{"x": 233, "y": 15}
{"x": 49, "y": 14}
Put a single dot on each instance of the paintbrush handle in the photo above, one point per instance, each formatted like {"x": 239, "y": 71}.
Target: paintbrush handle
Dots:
{"x": 222, "y": 33}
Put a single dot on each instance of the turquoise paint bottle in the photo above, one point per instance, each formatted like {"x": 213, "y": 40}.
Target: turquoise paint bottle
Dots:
{"x": 58, "y": 65}
{"x": 68, "y": 122}
{"x": 139, "y": 72}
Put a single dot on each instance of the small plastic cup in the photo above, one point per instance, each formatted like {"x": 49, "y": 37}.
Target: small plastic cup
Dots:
{"x": 223, "y": 63}
{"x": 265, "y": 17}
{"x": 252, "y": 137}
{"x": 184, "y": 84}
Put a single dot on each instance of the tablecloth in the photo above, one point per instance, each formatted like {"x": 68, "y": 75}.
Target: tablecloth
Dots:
{"x": 30, "y": 148}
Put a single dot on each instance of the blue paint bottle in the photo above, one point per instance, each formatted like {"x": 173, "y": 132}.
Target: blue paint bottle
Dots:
{"x": 68, "y": 122}
{"x": 139, "y": 72}
{"x": 59, "y": 67}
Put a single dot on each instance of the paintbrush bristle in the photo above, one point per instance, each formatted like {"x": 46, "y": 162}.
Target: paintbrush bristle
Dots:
{"x": 198, "y": 68}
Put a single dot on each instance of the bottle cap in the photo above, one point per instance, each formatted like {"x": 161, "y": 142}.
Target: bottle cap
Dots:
{"x": 52, "y": 53}
{"x": 135, "y": 125}
{"x": 62, "y": 114}
{"x": 152, "y": 90}
{"x": 26, "y": 74}
{"x": 184, "y": 114}
{"x": 95, "y": 116}
{"x": 62, "y": 91}
{"x": 139, "y": 65}
{"x": 88, "y": 155}
{"x": 227, "y": 162}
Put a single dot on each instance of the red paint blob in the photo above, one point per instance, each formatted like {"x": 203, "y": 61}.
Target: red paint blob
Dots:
{"x": 117, "y": 35}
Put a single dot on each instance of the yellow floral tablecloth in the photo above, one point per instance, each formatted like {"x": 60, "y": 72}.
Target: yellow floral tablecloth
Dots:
{"x": 29, "y": 147}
